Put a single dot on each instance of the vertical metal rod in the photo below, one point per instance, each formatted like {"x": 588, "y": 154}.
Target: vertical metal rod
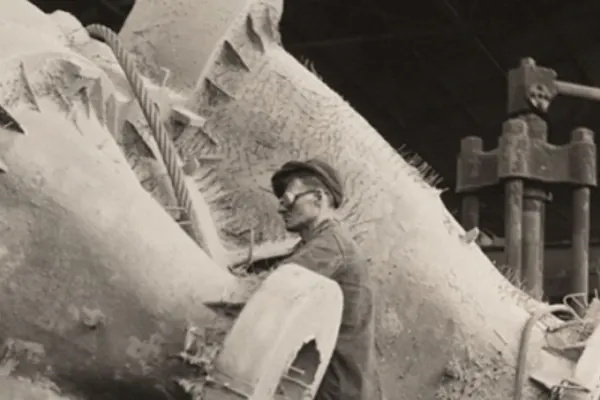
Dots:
{"x": 469, "y": 214}
{"x": 542, "y": 246}
{"x": 470, "y": 147}
{"x": 513, "y": 218}
{"x": 581, "y": 242}
{"x": 533, "y": 247}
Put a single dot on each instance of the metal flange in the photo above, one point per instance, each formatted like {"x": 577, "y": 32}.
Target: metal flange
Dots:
{"x": 568, "y": 380}
{"x": 285, "y": 333}
{"x": 587, "y": 371}
{"x": 524, "y": 153}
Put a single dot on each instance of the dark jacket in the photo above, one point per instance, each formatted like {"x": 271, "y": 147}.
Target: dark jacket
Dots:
{"x": 332, "y": 252}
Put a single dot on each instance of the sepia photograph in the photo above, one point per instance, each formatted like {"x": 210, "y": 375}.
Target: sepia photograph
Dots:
{"x": 299, "y": 200}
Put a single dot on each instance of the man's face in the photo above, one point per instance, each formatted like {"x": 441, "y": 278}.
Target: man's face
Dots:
{"x": 298, "y": 205}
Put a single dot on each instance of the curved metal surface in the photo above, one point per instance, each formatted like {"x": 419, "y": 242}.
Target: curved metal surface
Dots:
{"x": 292, "y": 307}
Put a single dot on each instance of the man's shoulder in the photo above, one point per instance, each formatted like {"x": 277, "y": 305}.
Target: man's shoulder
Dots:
{"x": 334, "y": 229}
{"x": 340, "y": 233}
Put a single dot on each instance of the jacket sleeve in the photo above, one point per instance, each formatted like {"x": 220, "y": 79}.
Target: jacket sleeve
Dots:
{"x": 322, "y": 255}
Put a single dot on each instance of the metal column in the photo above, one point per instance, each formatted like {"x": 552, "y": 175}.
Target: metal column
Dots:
{"x": 513, "y": 231}
{"x": 533, "y": 241}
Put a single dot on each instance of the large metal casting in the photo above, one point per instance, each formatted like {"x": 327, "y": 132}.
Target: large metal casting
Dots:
{"x": 525, "y": 163}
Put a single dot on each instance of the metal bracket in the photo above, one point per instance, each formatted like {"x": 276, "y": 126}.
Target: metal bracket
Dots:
{"x": 532, "y": 89}
{"x": 580, "y": 381}
{"x": 523, "y": 152}
{"x": 587, "y": 370}
{"x": 530, "y": 86}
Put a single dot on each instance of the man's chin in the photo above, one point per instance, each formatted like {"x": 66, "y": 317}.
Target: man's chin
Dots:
{"x": 292, "y": 227}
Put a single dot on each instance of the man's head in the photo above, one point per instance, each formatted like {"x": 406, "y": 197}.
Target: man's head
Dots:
{"x": 308, "y": 192}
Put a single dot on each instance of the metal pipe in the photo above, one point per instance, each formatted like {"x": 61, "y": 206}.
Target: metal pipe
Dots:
{"x": 577, "y": 90}
{"x": 581, "y": 242}
{"x": 469, "y": 214}
{"x": 513, "y": 211}
{"x": 542, "y": 246}
{"x": 470, "y": 146}
{"x": 533, "y": 247}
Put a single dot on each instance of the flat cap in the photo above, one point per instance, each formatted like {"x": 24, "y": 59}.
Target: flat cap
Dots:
{"x": 321, "y": 170}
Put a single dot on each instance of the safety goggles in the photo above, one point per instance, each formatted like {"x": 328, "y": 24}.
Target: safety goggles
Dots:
{"x": 288, "y": 203}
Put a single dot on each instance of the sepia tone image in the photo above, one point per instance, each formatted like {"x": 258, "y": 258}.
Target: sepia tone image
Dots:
{"x": 311, "y": 199}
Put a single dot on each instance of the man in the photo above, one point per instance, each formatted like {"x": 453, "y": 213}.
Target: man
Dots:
{"x": 309, "y": 194}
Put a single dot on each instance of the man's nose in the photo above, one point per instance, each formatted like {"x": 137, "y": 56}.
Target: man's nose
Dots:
{"x": 281, "y": 208}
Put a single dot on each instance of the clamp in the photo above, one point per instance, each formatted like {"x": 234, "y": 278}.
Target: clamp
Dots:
{"x": 577, "y": 379}
{"x": 532, "y": 88}
{"x": 525, "y": 163}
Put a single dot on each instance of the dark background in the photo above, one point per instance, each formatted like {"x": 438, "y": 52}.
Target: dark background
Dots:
{"x": 431, "y": 72}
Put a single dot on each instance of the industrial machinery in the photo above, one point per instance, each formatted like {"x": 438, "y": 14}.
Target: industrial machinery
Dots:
{"x": 101, "y": 289}
{"x": 525, "y": 163}
{"x": 81, "y": 284}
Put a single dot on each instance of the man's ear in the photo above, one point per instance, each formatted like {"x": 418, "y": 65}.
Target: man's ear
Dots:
{"x": 322, "y": 198}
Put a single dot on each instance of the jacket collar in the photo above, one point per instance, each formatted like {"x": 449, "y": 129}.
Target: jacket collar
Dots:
{"x": 318, "y": 229}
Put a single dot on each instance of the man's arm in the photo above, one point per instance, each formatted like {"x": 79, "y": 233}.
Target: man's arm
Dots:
{"x": 322, "y": 255}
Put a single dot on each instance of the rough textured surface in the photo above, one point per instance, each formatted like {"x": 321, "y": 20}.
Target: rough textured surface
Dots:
{"x": 443, "y": 306}
{"x": 101, "y": 299}
{"x": 439, "y": 295}
{"x": 99, "y": 283}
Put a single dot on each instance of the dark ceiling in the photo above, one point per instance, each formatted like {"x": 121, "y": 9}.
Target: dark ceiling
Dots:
{"x": 428, "y": 74}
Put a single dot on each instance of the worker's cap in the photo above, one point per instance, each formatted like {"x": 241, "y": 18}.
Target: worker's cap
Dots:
{"x": 318, "y": 168}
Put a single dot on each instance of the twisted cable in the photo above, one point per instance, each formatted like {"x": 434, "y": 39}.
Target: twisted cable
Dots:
{"x": 165, "y": 145}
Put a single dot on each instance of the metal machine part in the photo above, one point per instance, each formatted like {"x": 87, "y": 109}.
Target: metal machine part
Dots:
{"x": 282, "y": 341}
{"x": 524, "y": 163}
{"x": 576, "y": 378}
